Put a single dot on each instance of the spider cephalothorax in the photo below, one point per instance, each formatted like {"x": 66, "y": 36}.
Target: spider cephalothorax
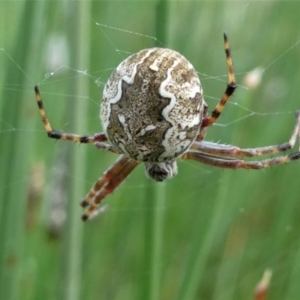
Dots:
{"x": 161, "y": 171}
{"x": 153, "y": 111}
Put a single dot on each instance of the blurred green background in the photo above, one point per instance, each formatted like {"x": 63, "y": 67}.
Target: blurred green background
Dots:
{"x": 206, "y": 234}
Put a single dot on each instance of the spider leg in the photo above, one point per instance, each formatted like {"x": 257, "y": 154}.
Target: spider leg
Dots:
{"x": 231, "y": 86}
{"x": 106, "y": 184}
{"x": 107, "y": 147}
{"x": 231, "y": 163}
{"x": 203, "y": 130}
{"x": 104, "y": 179}
{"x": 98, "y": 137}
{"x": 229, "y": 150}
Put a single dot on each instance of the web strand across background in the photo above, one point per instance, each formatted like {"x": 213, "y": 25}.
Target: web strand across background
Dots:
{"x": 221, "y": 229}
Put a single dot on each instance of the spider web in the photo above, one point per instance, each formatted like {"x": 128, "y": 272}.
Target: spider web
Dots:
{"x": 261, "y": 112}
{"x": 249, "y": 77}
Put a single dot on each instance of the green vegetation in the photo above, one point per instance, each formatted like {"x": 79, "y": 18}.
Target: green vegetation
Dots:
{"x": 206, "y": 234}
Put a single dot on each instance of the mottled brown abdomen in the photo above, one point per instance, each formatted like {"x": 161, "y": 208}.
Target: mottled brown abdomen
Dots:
{"x": 152, "y": 105}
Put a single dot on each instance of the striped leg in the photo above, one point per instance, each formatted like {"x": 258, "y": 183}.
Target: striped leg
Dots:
{"x": 231, "y": 86}
{"x": 229, "y": 150}
{"x": 110, "y": 180}
{"x": 232, "y": 163}
{"x": 97, "y": 138}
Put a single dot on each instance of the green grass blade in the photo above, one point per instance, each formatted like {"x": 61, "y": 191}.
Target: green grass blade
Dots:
{"x": 17, "y": 150}
{"x": 203, "y": 246}
{"x": 72, "y": 252}
{"x": 156, "y": 192}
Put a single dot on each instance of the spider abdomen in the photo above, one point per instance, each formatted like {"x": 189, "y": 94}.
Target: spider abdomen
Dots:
{"x": 152, "y": 105}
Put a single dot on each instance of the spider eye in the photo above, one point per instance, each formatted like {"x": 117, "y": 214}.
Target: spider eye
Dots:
{"x": 161, "y": 171}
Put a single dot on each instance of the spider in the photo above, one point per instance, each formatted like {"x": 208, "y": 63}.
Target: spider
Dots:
{"x": 153, "y": 112}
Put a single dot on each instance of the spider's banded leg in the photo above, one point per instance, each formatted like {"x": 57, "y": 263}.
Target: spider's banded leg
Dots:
{"x": 98, "y": 137}
{"x": 229, "y": 163}
{"x": 108, "y": 183}
{"x": 231, "y": 86}
{"x": 202, "y": 132}
{"x": 107, "y": 147}
{"x": 104, "y": 179}
{"x": 229, "y": 150}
